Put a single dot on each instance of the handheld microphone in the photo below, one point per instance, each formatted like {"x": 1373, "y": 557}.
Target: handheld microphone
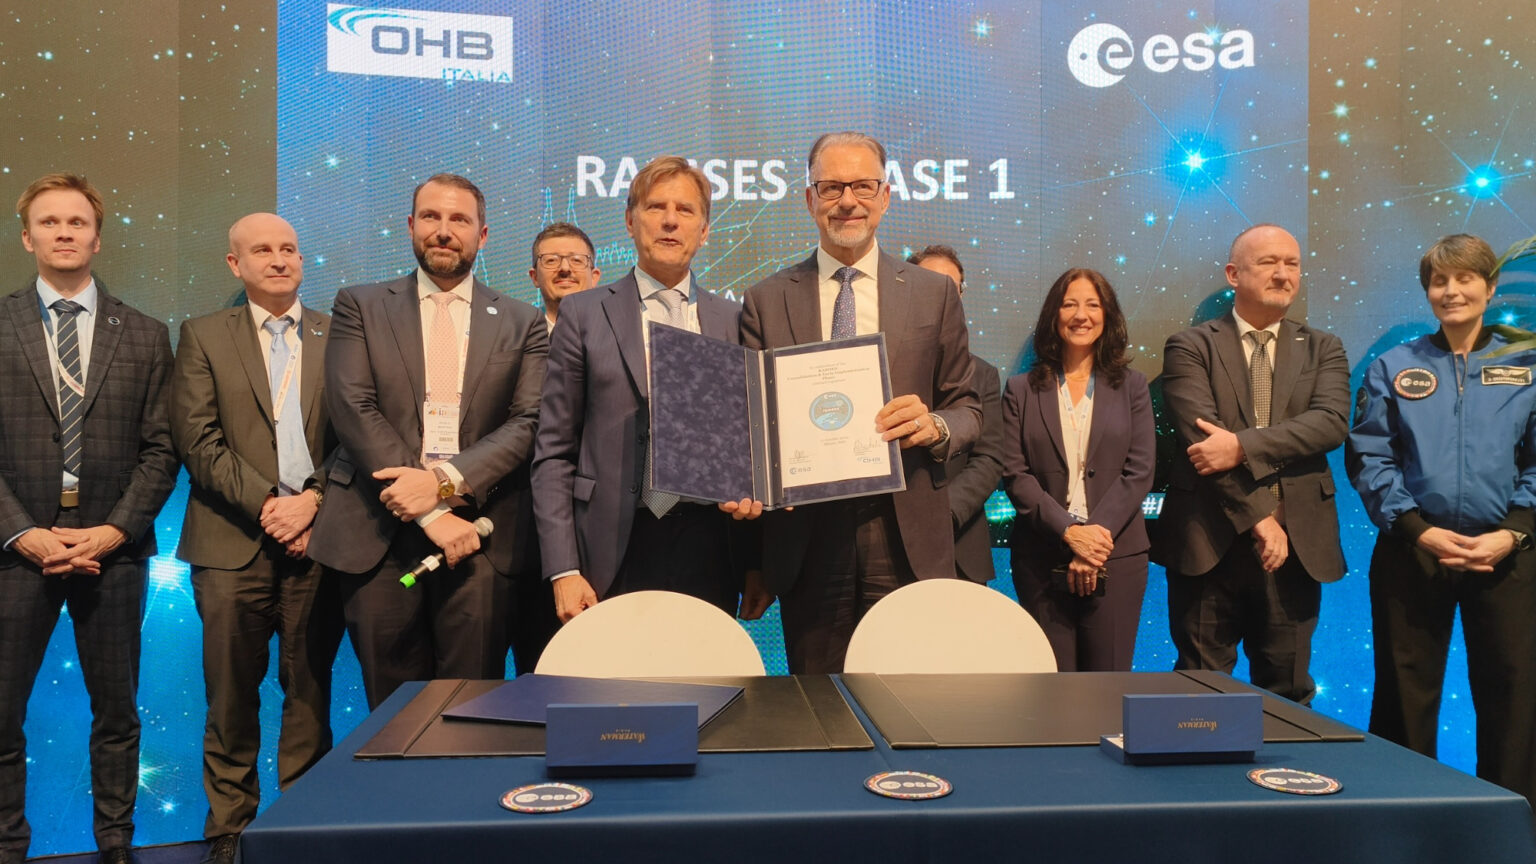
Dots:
{"x": 483, "y": 527}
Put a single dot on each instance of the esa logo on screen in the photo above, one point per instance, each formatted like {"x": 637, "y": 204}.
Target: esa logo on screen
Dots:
{"x": 413, "y": 43}
{"x": 1101, "y": 54}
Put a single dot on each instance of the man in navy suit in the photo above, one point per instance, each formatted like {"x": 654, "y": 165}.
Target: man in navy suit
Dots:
{"x": 85, "y": 464}
{"x": 602, "y": 529}
{"x": 432, "y": 382}
{"x": 830, "y": 562}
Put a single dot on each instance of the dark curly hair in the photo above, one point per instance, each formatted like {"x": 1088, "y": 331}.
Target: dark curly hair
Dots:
{"x": 1109, "y": 355}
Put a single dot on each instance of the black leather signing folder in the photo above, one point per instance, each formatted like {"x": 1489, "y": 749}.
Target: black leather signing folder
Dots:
{"x": 787, "y": 426}
{"x": 776, "y": 713}
{"x": 525, "y": 698}
{"x": 1049, "y": 709}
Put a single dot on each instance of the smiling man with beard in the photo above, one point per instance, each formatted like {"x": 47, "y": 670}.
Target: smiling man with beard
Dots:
{"x": 432, "y": 381}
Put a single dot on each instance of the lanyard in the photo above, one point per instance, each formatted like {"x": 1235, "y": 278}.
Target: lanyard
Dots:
{"x": 1077, "y": 416}
{"x": 282, "y": 388}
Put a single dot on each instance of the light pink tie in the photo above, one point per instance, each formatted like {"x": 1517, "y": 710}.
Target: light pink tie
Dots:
{"x": 443, "y": 376}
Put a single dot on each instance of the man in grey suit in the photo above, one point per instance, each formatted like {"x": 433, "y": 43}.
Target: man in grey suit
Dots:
{"x": 250, "y": 423}
{"x": 85, "y": 464}
{"x": 972, "y": 476}
{"x": 432, "y": 382}
{"x": 602, "y": 529}
{"x": 830, "y": 562}
{"x": 1249, "y": 524}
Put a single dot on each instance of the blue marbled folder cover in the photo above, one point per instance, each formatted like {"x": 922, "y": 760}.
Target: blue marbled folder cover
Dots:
{"x": 701, "y": 417}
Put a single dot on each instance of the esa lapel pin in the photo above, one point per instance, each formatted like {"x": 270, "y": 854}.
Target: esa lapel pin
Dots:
{"x": 490, "y": 310}
{"x": 112, "y": 319}
{"x": 317, "y": 332}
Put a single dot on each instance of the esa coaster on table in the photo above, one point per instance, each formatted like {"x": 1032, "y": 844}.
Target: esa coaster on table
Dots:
{"x": 546, "y": 798}
{"x": 1294, "y": 781}
{"x": 908, "y": 785}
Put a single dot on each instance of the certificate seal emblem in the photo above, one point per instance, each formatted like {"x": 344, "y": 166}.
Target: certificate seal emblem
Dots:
{"x": 1294, "y": 782}
{"x": 908, "y": 785}
{"x": 831, "y": 410}
{"x": 1415, "y": 383}
{"x": 546, "y": 798}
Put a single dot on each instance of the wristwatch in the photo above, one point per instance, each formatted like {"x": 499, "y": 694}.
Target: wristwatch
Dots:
{"x": 446, "y": 488}
{"x": 1522, "y": 540}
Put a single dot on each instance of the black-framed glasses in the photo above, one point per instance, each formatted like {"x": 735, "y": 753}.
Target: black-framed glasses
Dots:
{"x": 831, "y": 190}
{"x": 551, "y": 261}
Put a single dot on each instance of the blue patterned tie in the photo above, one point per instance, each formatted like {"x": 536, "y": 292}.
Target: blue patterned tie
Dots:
{"x": 293, "y": 462}
{"x": 844, "y": 321}
{"x": 71, "y": 400}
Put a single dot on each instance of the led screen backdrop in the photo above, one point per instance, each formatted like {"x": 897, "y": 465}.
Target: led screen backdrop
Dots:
{"x": 1136, "y": 138}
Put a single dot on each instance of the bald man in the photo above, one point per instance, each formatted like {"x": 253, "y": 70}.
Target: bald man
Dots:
{"x": 251, "y": 426}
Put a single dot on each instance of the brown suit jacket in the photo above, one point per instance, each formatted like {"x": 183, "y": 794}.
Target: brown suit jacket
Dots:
{"x": 222, "y": 423}
{"x": 929, "y": 355}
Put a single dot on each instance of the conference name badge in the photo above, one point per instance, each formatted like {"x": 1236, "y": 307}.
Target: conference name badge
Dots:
{"x": 1415, "y": 383}
{"x": 546, "y": 798}
{"x": 908, "y": 785}
{"x": 1294, "y": 782}
{"x": 440, "y": 430}
{"x": 1517, "y": 376}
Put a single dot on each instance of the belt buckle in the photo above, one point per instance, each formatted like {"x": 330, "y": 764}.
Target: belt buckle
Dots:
{"x": 69, "y": 498}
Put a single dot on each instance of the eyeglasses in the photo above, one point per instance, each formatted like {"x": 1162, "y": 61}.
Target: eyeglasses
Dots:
{"x": 551, "y": 261}
{"x": 831, "y": 190}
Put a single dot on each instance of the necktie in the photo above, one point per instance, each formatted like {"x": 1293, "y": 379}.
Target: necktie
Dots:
{"x": 659, "y": 503}
{"x": 71, "y": 383}
{"x": 1261, "y": 380}
{"x": 293, "y": 462}
{"x": 844, "y": 321}
{"x": 443, "y": 352}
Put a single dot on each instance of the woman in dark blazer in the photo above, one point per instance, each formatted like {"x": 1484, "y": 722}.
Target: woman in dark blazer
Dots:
{"x": 1077, "y": 462}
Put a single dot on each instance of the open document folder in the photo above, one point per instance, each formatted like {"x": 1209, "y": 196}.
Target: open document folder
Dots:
{"x": 785, "y": 426}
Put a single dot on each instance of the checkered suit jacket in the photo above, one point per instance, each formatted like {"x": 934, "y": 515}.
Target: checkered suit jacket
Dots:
{"x": 129, "y": 466}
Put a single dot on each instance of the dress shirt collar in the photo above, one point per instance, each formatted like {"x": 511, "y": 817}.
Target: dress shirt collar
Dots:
{"x": 1244, "y": 328}
{"x": 260, "y": 315}
{"x": 425, "y": 287}
{"x": 649, "y": 285}
{"x": 88, "y": 296}
{"x": 868, "y": 265}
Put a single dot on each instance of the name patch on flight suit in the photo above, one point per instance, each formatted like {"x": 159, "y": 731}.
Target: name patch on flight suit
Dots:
{"x": 1415, "y": 383}
{"x": 1519, "y": 376}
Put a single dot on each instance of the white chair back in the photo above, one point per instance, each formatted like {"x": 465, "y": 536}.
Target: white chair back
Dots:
{"x": 948, "y": 625}
{"x": 651, "y": 634}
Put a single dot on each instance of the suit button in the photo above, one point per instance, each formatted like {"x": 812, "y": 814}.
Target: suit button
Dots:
{"x": 55, "y": 437}
{"x": 634, "y": 487}
{"x": 1090, "y": 472}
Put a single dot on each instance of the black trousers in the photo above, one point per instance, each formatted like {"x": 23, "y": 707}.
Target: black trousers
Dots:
{"x": 687, "y": 551}
{"x": 241, "y": 610}
{"x": 452, "y": 624}
{"x": 854, "y": 559}
{"x": 1273, "y": 615}
{"x": 1413, "y": 604}
{"x": 106, "y": 610}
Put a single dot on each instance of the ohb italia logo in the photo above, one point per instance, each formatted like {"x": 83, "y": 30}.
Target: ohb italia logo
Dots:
{"x": 414, "y": 43}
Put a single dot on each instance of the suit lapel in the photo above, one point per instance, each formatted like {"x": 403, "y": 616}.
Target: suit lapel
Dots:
{"x": 242, "y": 335}
{"x": 484, "y": 324}
{"x": 1229, "y": 354}
{"x": 717, "y": 318}
{"x": 895, "y": 294}
{"x": 1048, "y": 404}
{"x": 1101, "y": 408}
{"x": 27, "y": 318}
{"x": 622, "y": 307}
{"x": 404, "y": 309}
{"x": 1290, "y": 351}
{"x": 312, "y": 373}
{"x": 109, "y": 331}
{"x": 802, "y": 302}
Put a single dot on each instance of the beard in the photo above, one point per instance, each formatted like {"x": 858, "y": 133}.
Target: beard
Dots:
{"x": 452, "y": 264}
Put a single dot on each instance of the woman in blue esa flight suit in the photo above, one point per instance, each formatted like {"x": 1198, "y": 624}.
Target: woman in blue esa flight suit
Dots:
{"x": 1443, "y": 453}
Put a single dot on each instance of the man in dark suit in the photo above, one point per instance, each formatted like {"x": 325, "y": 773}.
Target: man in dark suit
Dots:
{"x": 602, "y": 529}
{"x": 432, "y": 382}
{"x": 1250, "y": 527}
{"x": 250, "y": 423}
{"x": 85, "y": 464}
{"x": 972, "y": 476}
{"x": 830, "y": 562}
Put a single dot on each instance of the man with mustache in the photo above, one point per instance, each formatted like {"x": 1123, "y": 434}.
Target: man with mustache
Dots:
{"x": 432, "y": 382}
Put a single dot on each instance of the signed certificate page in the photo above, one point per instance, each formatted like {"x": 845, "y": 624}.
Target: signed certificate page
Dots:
{"x": 826, "y": 404}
